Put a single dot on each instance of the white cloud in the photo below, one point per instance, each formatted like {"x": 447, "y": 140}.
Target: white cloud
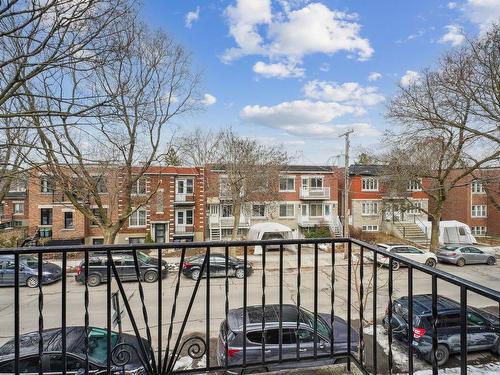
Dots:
{"x": 278, "y": 70}
{"x": 374, "y": 76}
{"x": 482, "y": 12}
{"x": 208, "y": 100}
{"x": 286, "y": 37}
{"x": 325, "y": 67}
{"x": 452, "y": 5}
{"x": 305, "y": 118}
{"x": 409, "y": 77}
{"x": 454, "y": 35}
{"x": 192, "y": 17}
{"x": 351, "y": 93}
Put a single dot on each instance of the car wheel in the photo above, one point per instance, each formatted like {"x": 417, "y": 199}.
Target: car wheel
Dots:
{"x": 442, "y": 354}
{"x": 461, "y": 262}
{"x": 430, "y": 262}
{"x": 93, "y": 280}
{"x": 240, "y": 273}
{"x": 150, "y": 276}
{"x": 491, "y": 261}
{"x": 195, "y": 275}
{"x": 32, "y": 282}
{"x": 395, "y": 266}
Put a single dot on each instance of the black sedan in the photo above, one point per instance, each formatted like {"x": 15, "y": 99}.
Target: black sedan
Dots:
{"x": 28, "y": 271}
{"x": 217, "y": 266}
{"x": 52, "y": 360}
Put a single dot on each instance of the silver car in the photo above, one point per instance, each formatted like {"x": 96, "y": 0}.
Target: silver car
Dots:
{"x": 462, "y": 255}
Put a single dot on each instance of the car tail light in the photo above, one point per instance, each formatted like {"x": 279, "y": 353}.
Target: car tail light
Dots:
{"x": 418, "y": 332}
{"x": 186, "y": 265}
{"x": 78, "y": 270}
{"x": 231, "y": 352}
{"x": 452, "y": 254}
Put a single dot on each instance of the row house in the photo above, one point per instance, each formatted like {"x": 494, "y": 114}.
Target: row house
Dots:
{"x": 174, "y": 211}
{"x": 374, "y": 207}
{"x": 306, "y": 198}
{"x": 14, "y": 210}
{"x": 474, "y": 201}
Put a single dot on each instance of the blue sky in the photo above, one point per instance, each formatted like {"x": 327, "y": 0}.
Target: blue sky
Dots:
{"x": 299, "y": 73}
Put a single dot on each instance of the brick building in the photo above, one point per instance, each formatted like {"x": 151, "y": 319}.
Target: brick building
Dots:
{"x": 175, "y": 211}
{"x": 472, "y": 202}
{"x": 307, "y": 197}
{"x": 14, "y": 210}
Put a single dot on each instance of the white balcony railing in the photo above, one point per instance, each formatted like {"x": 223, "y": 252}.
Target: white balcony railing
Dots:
{"x": 184, "y": 198}
{"x": 228, "y": 222}
{"x": 316, "y": 220}
{"x": 184, "y": 229}
{"x": 315, "y": 193}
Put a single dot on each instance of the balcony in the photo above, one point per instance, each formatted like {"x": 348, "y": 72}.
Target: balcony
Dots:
{"x": 182, "y": 324}
{"x": 184, "y": 199}
{"x": 312, "y": 221}
{"x": 315, "y": 193}
{"x": 184, "y": 229}
{"x": 228, "y": 222}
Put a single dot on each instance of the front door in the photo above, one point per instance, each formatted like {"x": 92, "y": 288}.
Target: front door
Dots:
{"x": 160, "y": 232}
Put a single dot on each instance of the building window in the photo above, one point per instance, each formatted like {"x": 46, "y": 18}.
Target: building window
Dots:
{"x": 18, "y": 208}
{"x": 415, "y": 208}
{"x": 138, "y": 218}
{"x": 478, "y": 231}
{"x": 415, "y": 185}
{"x": 227, "y": 210}
{"x": 46, "y": 216}
{"x": 46, "y": 184}
{"x": 224, "y": 189}
{"x": 135, "y": 240}
{"x": 17, "y": 185}
{"x": 370, "y": 228}
{"x": 479, "y": 211}
{"x": 159, "y": 201}
{"x": 315, "y": 209}
{"x": 139, "y": 187}
{"x": 369, "y": 184}
{"x": 328, "y": 209}
{"x": 184, "y": 186}
{"x": 98, "y": 241}
{"x": 369, "y": 208}
{"x": 477, "y": 187}
{"x": 68, "y": 220}
{"x": 287, "y": 210}
{"x": 287, "y": 183}
{"x": 45, "y": 232}
{"x": 184, "y": 217}
{"x": 258, "y": 210}
{"x": 96, "y": 212}
{"x": 101, "y": 184}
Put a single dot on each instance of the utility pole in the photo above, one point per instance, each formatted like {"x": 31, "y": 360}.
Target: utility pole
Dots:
{"x": 346, "y": 182}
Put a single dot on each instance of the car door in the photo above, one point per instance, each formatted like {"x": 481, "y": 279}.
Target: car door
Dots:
{"x": 8, "y": 271}
{"x": 416, "y": 254}
{"x": 27, "y": 365}
{"x": 466, "y": 254}
{"x": 449, "y": 330}
{"x": 480, "y": 334}
{"x": 217, "y": 265}
{"x": 128, "y": 268}
{"x": 477, "y": 255}
{"x": 73, "y": 364}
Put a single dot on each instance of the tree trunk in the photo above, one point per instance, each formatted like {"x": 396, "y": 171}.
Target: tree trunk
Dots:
{"x": 237, "y": 215}
{"x": 435, "y": 232}
{"x": 109, "y": 235}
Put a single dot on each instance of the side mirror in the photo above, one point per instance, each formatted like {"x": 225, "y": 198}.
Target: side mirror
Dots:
{"x": 322, "y": 344}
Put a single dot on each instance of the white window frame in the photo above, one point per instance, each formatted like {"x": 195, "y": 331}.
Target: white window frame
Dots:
{"x": 414, "y": 185}
{"x": 287, "y": 206}
{"x": 477, "y": 187}
{"x": 46, "y": 185}
{"x": 316, "y": 204}
{"x": 369, "y": 184}
{"x": 260, "y": 207}
{"x": 369, "y": 208}
{"x": 287, "y": 178}
{"x": 479, "y": 231}
{"x": 185, "y": 216}
{"x": 479, "y": 210}
{"x": 188, "y": 184}
{"x": 17, "y": 185}
{"x": 136, "y": 189}
{"x": 134, "y": 220}
{"x": 415, "y": 210}
{"x": 15, "y": 211}
{"x": 370, "y": 228}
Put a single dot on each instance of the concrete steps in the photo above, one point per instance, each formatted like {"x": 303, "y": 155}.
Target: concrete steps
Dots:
{"x": 411, "y": 232}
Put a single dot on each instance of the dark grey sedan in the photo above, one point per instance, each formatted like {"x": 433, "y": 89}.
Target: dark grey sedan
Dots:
{"x": 28, "y": 271}
{"x": 294, "y": 342}
{"x": 462, "y": 255}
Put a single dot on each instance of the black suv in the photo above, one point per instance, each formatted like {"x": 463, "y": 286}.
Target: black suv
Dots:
{"x": 125, "y": 266}
{"x": 483, "y": 330}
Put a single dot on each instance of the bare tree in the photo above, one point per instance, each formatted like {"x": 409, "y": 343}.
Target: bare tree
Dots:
{"x": 444, "y": 133}
{"x": 251, "y": 172}
{"x": 200, "y": 147}
{"x": 146, "y": 83}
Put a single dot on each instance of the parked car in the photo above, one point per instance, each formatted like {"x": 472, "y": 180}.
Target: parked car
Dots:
{"x": 52, "y": 361}
{"x": 465, "y": 254}
{"x": 217, "y": 263}
{"x": 125, "y": 266}
{"x": 28, "y": 271}
{"x": 232, "y": 330}
{"x": 407, "y": 251}
{"x": 483, "y": 330}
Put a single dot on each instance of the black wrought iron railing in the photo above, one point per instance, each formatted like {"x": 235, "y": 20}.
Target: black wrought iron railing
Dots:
{"x": 296, "y": 303}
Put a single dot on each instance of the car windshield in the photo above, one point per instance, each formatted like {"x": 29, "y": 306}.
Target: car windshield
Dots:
{"x": 98, "y": 344}
{"x": 30, "y": 262}
{"x": 143, "y": 257}
{"x": 323, "y": 328}
{"x": 448, "y": 248}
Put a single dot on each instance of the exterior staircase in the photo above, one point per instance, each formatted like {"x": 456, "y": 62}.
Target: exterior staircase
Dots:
{"x": 411, "y": 232}
{"x": 215, "y": 233}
